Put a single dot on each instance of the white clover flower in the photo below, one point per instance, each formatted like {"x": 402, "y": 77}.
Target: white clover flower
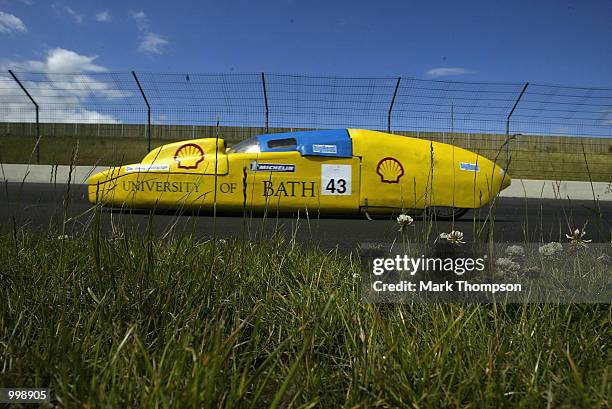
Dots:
{"x": 64, "y": 237}
{"x": 506, "y": 265}
{"x": 455, "y": 237}
{"x": 550, "y": 249}
{"x": 404, "y": 220}
{"x": 577, "y": 238}
{"x": 515, "y": 251}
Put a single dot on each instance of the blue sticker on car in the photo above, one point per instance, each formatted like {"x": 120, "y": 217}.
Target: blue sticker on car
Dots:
{"x": 471, "y": 167}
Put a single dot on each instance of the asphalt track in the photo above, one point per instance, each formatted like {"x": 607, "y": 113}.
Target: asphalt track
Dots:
{"x": 37, "y": 206}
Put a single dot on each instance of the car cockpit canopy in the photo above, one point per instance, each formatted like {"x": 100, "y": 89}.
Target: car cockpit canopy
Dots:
{"x": 334, "y": 143}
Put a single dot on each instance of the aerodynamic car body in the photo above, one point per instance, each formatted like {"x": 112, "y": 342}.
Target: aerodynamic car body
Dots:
{"x": 344, "y": 171}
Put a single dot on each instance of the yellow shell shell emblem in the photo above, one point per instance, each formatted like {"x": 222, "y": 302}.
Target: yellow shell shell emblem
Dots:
{"x": 189, "y": 156}
{"x": 390, "y": 170}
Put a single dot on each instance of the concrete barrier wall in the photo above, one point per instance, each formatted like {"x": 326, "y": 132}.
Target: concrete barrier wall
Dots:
{"x": 48, "y": 173}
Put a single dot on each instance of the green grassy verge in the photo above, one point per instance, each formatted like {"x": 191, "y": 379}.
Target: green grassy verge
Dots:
{"x": 60, "y": 150}
{"x": 110, "y": 151}
{"x": 115, "y": 321}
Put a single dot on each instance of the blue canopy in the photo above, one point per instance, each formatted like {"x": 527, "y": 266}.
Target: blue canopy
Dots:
{"x": 331, "y": 142}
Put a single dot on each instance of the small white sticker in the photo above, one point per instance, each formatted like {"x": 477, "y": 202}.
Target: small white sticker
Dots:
{"x": 324, "y": 148}
{"x": 336, "y": 180}
{"x": 147, "y": 168}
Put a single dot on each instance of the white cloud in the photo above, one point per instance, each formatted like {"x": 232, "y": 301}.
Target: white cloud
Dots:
{"x": 11, "y": 24}
{"x": 69, "y": 88}
{"x": 608, "y": 117}
{"x": 103, "y": 16}
{"x": 63, "y": 10}
{"x": 58, "y": 61}
{"x": 153, "y": 43}
{"x": 445, "y": 72}
{"x": 141, "y": 19}
{"x": 76, "y": 16}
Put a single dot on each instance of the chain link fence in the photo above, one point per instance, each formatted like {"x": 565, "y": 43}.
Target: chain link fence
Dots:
{"x": 554, "y": 132}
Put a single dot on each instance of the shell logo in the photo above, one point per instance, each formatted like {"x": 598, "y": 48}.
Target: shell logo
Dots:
{"x": 390, "y": 170}
{"x": 189, "y": 156}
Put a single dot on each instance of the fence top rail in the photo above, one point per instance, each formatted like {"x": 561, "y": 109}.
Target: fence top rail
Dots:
{"x": 314, "y": 101}
{"x": 306, "y": 76}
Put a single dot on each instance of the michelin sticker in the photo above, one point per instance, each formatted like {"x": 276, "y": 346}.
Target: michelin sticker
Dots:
{"x": 471, "y": 167}
{"x": 272, "y": 167}
{"x": 324, "y": 148}
{"x": 336, "y": 180}
{"x": 147, "y": 168}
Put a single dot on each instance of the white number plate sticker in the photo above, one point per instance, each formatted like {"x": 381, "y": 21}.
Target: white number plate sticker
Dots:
{"x": 336, "y": 180}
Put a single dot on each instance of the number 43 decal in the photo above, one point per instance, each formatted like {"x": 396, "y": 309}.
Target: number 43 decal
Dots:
{"x": 336, "y": 180}
{"x": 331, "y": 186}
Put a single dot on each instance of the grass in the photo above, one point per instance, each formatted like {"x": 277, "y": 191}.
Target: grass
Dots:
{"x": 560, "y": 166}
{"x": 58, "y": 150}
{"x": 109, "y": 151}
{"x": 135, "y": 320}
{"x": 120, "y": 321}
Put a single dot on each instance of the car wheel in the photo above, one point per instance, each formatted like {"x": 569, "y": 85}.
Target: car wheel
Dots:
{"x": 446, "y": 213}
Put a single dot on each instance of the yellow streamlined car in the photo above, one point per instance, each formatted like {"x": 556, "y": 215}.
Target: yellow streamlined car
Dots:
{"x": 344, "y": 171}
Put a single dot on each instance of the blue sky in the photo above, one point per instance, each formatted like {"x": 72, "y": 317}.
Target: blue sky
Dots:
{"x": 509, "y": 42}
{"x": 553, "y": 42}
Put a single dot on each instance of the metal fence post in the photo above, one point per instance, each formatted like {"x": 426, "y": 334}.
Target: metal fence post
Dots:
{"x": 148, "y": 110}
{"x": 392, "y": 103}
{"x": 508, "y": 123}
{"x": 37, "y": 115}
{"x": 265, "y": 93}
